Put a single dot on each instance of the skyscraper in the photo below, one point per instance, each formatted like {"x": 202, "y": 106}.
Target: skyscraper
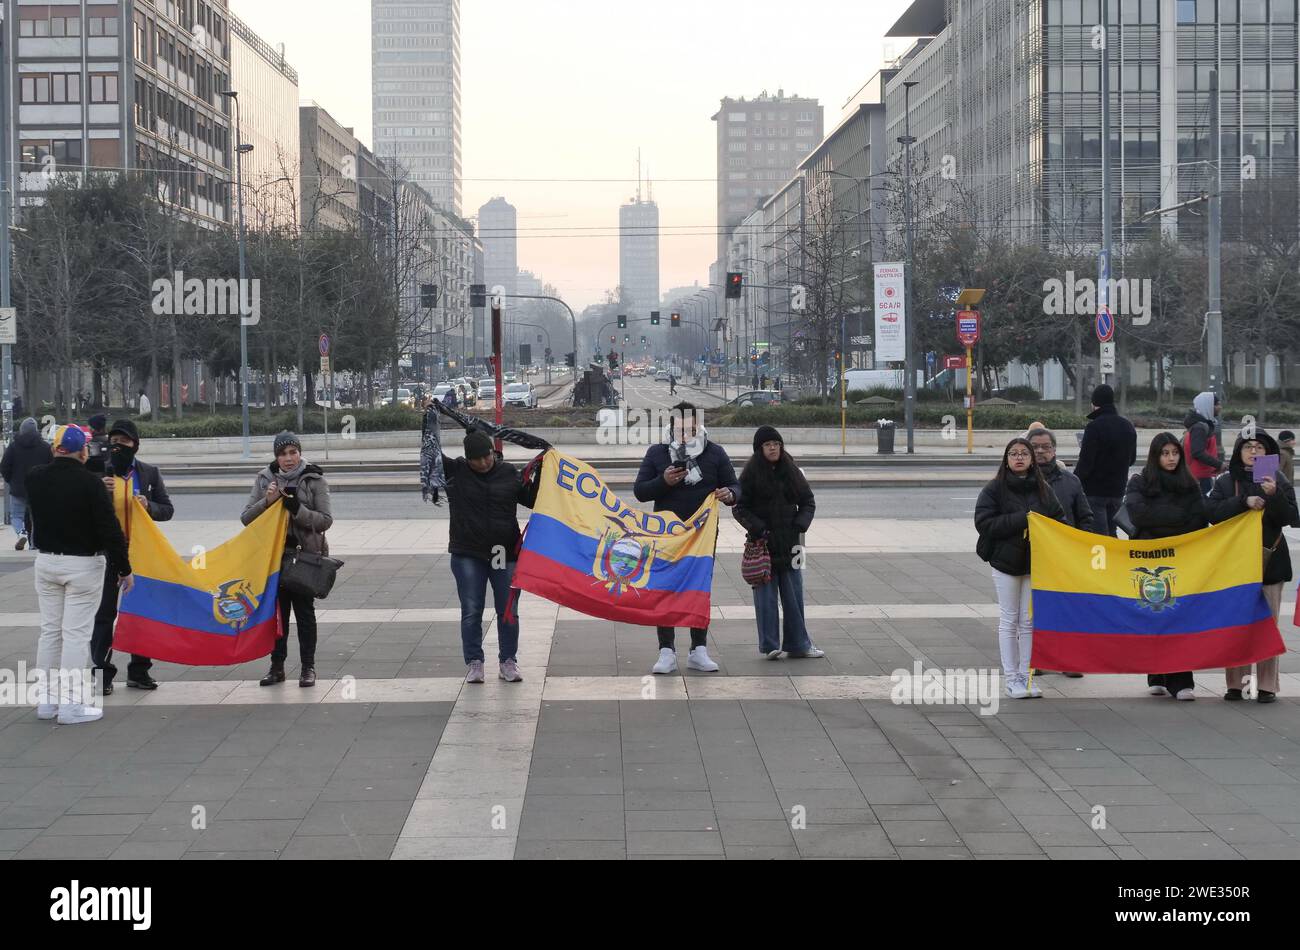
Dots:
{"x": 497, "y": 229}
{"x": 415, "y": 92}
{"x": 638, "y": 254}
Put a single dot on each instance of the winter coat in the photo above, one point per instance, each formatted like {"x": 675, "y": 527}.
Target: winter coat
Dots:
{"x": 308, "y": 525}
{"x": 1162, "y": 511}
{"x": 1002, "y": 519}
{"x": 1109, "y": 449}
{"x": 781, "y": 508}
{"x": 23, "y": 454}
{"x": 483, "y": 508}
{"x": 716, "y": 471}
{"x": 1227, "y": 499}
{"x": 1200, "y": 446}
{"x": 1069, "y": 492}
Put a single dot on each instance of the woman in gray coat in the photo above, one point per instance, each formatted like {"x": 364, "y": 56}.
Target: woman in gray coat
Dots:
{"x": 306, "y": 496}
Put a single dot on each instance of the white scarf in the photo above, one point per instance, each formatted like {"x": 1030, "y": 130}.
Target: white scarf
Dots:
{"x": 694, "y": 449}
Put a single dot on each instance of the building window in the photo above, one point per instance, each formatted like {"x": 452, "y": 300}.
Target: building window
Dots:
{"x": 103, "y": 87}
{"x": 1186, "y": 11}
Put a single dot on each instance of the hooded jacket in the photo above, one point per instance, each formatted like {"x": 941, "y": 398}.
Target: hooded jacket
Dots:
{"x": 313, "y": 518}
{"x": 1200, "y": 446}
{"x": 23, "y": 454}
{"x": 1109, "y": 449}
{"x": 1002, "y": 517}
{"x": 1227, "y": 499}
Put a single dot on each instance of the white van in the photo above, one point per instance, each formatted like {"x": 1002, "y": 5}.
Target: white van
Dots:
{"x": 878, "y": 379}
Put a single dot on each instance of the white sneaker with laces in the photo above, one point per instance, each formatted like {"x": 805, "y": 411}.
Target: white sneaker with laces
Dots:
{"x": 667, "y": 662}
{"x": 700, "y": 660}
{"x": 46, "y": 711}
{"x": 1016, "y": 687}
{"x": 475, "y": 672}
{"x": 1157, "y": 691}
{"x": 812, "y": 653}
{"x": 1186, "y": 695}
{"x": 773, "y": 654}
{"x": 73, "y": 713}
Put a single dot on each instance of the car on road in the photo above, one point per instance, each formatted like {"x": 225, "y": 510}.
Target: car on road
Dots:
{"x": 661, "y": 376}
{"x": 757, "y": 397}
{"x": 404, "y": 398}
{"x": 509, "y": 378}
{"x": 521, "y": 394}
{"x": 487, "y": 391}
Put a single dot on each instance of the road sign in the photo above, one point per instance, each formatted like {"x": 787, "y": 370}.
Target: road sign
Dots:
{"x": 8, "y": 326}
{"x": 860, "y": 340}
{"x": 968, "y": 327}
{"x": 1105, "y": 325}
{"x": 324, "y": 365}
{"x": 1107, "y": 358}
{"x": 324, "y": 343}
{"x": 954, "y": 362}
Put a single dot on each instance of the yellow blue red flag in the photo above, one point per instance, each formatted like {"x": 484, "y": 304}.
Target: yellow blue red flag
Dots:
{"x": 215, "y": 608}
{"x": 1190, "y": 602}
{"x": 585, "y": 548}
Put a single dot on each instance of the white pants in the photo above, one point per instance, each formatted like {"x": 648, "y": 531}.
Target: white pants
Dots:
{"x": 68, "y": 590}
{"x": 1015, "y": 631}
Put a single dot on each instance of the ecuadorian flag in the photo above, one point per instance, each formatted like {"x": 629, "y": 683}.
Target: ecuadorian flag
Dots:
{"x": 1190, "y": 602}
{"x": 586, "y": 549}
{"x": 215, "y": 608}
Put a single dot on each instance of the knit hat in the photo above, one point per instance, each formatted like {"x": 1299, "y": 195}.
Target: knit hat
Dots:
{"x": 27, "y": 426}
{"x": 97, "y": 422}
{"x": 71, "y": 439}
{"x": 1285, "y": 434}
{"x": 1103, "y": 395}
{"x": 477, "y": 445}
{"x": 127, "y": 428}
{"x": 766, "y": 434}
{"x": 284, "y": 440}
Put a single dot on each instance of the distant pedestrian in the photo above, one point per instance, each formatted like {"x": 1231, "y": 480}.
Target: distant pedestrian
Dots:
{"x": 98, "y": 443}
{"x": 1201, "y": 445}
{"x": 449, "y": 398}
{"x": 777, "y": 505}
{"x": 72, "y": 524}
{"x": 672, "y": 385}
{"x": 146, "y": 407}
{"x": 1002, "y": 520}
{"x": 1286, "y": 448}
{"x": 1109, "y": 449}
{"x": 18, "y": 407}
{"x": 24, "y": 453}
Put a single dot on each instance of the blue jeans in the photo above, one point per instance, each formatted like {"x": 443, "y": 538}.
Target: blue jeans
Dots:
{"x": 794, "y": 632}
{"x": 18, "y": 514}
{"x": 472, "y": 577}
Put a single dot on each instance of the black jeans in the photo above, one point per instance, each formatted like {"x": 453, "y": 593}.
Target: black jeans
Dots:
{"x": 101, "y": 640}
{"x": 304, "y": 609}
{"x": 1103, "y": 514}
{"x": 1171, "y": 681}
{"x": 668, "y": 637}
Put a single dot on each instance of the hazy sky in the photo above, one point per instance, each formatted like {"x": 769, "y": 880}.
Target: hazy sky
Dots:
{"x": 558, "y": 97}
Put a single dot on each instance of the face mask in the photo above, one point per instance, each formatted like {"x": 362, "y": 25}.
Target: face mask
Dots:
{"x": 122, "y": 456}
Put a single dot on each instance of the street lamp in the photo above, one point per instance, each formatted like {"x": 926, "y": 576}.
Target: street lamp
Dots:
{"x": 909, "y": 332}
{"x": 240, "y": 150}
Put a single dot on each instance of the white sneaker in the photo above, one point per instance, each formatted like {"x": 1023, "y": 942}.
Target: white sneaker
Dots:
{"x": 46, "y": 711}
{"x": 1035, "y": 692}
{"x": 773, "y": 654}
{"x": 72, "y": 714}
{"x": 1016, "y": 688}
{"x": 699, "y": 659}
{"x": 812, "y": 653}
{"x": 1157, "y": 691}
{"x": 667, "y": 662}
{"x": 1186, "y": 695}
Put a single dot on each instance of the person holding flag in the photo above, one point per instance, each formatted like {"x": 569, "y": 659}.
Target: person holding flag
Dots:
{"x": 1236, "y": 492}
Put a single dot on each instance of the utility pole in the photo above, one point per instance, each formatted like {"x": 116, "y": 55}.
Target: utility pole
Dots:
{"x": 909, "y": 319}
{"x": 1103, "y": 259}
{"x": 6, "y": 219}
{"x": 1214, "y": 314}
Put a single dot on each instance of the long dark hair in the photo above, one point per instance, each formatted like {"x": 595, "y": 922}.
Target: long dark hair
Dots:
{"x": 1181, "y": 476}
{"x": 781, "y": 477}
{"x": 1004, "y": 470}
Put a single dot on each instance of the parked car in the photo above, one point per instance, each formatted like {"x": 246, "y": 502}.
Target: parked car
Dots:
{"x": 661, "y": 376}
{"x": 404, "y": 398}
{"x": 521, "y": 394}
{"x": 757, "y": 397}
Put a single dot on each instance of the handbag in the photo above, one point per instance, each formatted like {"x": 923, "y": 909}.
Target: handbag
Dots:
{"x": 1268, "y": 552}
{"x": 756, "y": 563}
{"x": 308, "y": 574}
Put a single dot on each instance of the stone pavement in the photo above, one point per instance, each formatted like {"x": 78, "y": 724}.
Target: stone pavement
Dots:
{"x": 393, "y": 756}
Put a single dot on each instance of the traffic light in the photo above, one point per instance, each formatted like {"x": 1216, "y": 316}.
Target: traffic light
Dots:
{"x": 643, "y": 339}
{"x": 676, "y": 320}
{"x": 613, "y": 339}
{"x": 622, "y": 321}
{"x": 613, "y": 360}
{"x": 478, "y": 295}
{"x": 627, "y": 338}
{"x": 568, "y": 359}
{"x": 735, "y": 283}
{"x": 428, "y": 296}
{"x": 654, "y": 318}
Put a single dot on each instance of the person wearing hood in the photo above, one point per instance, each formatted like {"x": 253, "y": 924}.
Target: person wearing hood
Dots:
{"x": 302, "y": 487}
{"x": 1286, "y": 445}
{"x": 1200, "y": 443}
{"x": 1109, "y": 448}
{"x": 678, "y": 477}
{"x": 23, "y": 454}
{"x": 777, "y": 505}
{"x": 1002, "y": 520}
{"x": 98, "y": 444}
{"x": 1236, "y": 492}
{"x": 1164, "y": 500}
{"x": 118, "y": 462}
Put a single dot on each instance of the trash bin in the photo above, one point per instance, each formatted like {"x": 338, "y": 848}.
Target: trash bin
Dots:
{"x": 885, "y": 437}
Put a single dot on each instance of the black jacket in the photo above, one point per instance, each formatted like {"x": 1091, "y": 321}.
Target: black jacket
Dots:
{"x": 781, "y": 507}
{"x": 1069, "y": 492}
{"x": 1162, "y": 513}
{"x": 483, "y": 515}
{"x": 1109, "y": 449}
{"x": 1227, "y": 499}
{"x": 684, "y": 500}
{"x": 1002, "y": 519}
{"x": 70, "y": 513}
{"x": 23, "y": 454}
{"x": 151, "y": 486}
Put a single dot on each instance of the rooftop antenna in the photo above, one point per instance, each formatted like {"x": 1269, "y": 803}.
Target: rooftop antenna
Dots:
{"x": 638, "y": 177}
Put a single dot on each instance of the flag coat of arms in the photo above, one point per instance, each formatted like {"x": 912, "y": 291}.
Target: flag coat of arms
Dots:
{"x": 1191, "y": 602}
{"x": 585, "y": 548}
{"x": 215, "y": 608}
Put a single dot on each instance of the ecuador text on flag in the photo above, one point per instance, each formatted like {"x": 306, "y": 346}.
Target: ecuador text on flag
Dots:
{"x": 586, "y": 549}
{"x": 1190, "y": 602}
{"x": 216, "y": 608}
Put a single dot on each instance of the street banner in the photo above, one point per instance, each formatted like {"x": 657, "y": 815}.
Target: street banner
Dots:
{"x": 1190, "y": 602}
{"x": 891, "y": 314}
{"x": 215, "y": 608}
{"x": 586, "y": 549}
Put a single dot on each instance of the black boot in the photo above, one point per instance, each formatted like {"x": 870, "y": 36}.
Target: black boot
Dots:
{"x": 275, "y": 676}
{"x": 307, "y": 677}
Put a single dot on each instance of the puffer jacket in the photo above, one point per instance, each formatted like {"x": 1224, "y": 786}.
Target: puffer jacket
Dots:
{"x": 1164, "y": 511}
{"x": 782, "y": 509}
{"x": 1002, "y": 519}
{"x": 1227, "y": 499}
{"x": 314, "y": 517}
{"x": 23, "y": 454}
{"x": 483, "y": 508}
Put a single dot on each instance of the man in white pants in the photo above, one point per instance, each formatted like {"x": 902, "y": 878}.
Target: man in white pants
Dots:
{"x": 76, "y": 532}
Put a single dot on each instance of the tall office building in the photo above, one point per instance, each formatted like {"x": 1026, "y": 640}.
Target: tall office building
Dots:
{"x": 268, "y": 117}
{"x": 328, "y": 162}
{"x": 498, "y": 230}
{"x": 760, "y": 143}
{"x": 415, "y": 92}
{"x": 638, "y": 255}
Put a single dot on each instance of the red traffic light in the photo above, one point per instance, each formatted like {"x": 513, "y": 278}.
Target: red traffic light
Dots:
{"x": 735, "y": 281}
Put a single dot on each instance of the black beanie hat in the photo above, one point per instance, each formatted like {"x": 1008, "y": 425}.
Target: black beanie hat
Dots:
{"x": 477, "y": 445}
{"x": 127, "y": 428}
{"x": 766, "y": 434}
{"x": 1103, "y": 395}
{"x": 284, "y": 440}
